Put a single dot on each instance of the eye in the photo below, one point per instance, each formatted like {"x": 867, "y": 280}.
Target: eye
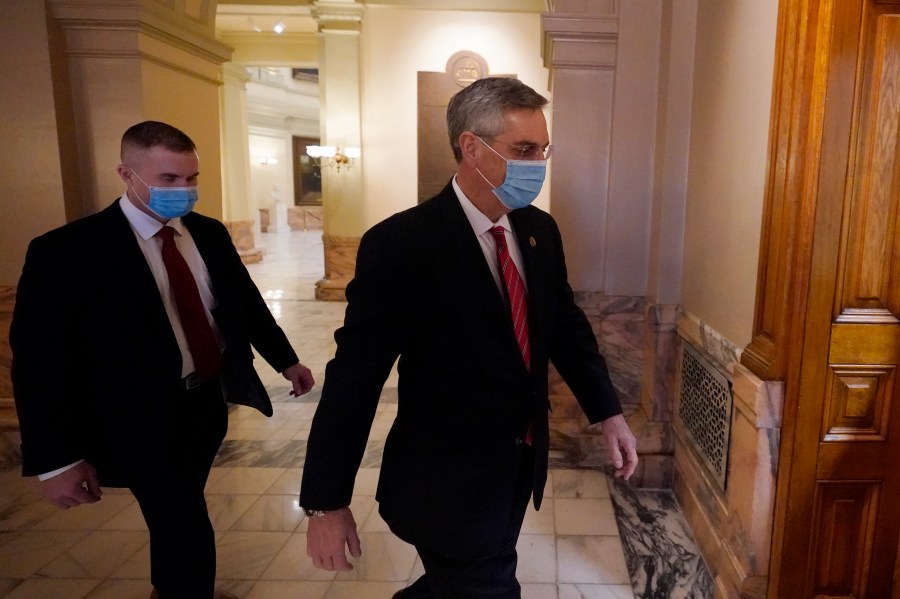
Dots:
{"x": 525, "y": 151}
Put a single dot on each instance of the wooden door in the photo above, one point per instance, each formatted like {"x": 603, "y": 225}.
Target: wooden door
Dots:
{"x": 829, "y": 304}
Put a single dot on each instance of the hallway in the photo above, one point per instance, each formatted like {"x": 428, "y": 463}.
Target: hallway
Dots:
{"x": 570, "y": 549}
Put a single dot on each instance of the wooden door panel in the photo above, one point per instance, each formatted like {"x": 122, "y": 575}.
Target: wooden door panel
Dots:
{"x": 843, "y": 540}
{"x": 860, "y": 403}
{"x": 832, "y": 223}
{"x": 873, "y": 250}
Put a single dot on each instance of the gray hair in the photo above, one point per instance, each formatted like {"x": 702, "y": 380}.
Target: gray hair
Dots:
{"x": 481, "y": 106}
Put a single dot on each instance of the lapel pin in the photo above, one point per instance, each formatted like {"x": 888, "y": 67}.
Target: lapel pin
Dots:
{"x": 532, "y": 242}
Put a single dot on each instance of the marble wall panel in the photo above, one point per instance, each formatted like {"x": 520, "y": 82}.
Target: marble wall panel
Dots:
{"x": 703, "y": 336}
{"x": 629, "y": 333}
{"x": 734, "y": 526}
{"x": 660, "y": 348}
{"x": 10, "y": 448}
{"x": 7, "y": 303}
{"x": 241, "y": 232}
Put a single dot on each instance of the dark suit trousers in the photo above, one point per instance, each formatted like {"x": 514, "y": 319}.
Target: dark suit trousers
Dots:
{"x": 488, "y": 577}
{"x": 182, "y": 541}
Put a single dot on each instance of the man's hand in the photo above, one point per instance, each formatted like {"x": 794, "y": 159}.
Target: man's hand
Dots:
{"x": 300, "y": 377}
{"x": 620, "y": 442}
{"x": 326, "y": 537}
{"x": 77, "y": 485}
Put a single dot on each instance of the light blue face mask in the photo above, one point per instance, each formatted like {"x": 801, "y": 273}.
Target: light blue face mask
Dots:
{"x": 523, "y": 182}
{"x": 170, "y": 202}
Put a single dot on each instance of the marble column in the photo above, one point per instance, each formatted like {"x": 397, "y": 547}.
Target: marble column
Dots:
{"x": 238, "y": 212}
{"x": 340, "y": 118}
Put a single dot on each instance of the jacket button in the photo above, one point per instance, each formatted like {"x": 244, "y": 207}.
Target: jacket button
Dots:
{"x": 519, "y": 441}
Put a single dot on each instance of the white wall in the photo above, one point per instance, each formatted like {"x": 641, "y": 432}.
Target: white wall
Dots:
{"x": 396, "y": 44}
{"x": 264, "y": 178}
{"x": 733, "y": 74}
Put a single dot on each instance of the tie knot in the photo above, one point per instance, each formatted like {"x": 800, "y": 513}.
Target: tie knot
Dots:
{"x": 499, "y": 235}
{"x": 167, "y": 233}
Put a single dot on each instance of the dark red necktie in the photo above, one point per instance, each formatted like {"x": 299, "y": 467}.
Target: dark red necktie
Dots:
{"x": 515, "y": 289}
{"x": 200, "y": 337}
{"x": 518, "y": 301}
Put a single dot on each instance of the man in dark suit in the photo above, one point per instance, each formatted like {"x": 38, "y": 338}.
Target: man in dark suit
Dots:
{"x": 475, "y": 313}
{"x": 131, "y": 330}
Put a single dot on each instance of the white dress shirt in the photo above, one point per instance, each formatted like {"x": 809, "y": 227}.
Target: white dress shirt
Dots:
{"x": 482, "y": 226}
{"x": 145, "y": 228}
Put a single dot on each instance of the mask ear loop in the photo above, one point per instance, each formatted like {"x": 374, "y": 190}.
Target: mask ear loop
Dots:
{"x": 133, "y": 187}
{"x": 478, "y": 170}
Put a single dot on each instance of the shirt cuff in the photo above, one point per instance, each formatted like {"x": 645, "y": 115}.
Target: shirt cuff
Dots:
{"x": 47, "y": 475}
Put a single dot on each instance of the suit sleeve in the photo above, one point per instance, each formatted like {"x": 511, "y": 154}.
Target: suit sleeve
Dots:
{"x": 266, "y": 336}
{"x": 43, "y": 337}
{"x": 367, "y": 345}
{"x": 575, "y": 354}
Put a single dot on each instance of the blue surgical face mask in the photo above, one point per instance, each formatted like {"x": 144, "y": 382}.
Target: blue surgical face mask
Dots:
{"x": 523, "y": 182}
{"x": 169, "y": 202}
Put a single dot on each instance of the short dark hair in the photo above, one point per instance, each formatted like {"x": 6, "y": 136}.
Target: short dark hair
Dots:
{"x": 480, "y": 107}
{"x": 151, "y": 134}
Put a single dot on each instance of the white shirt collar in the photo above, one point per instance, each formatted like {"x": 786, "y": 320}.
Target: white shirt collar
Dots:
{"x": 145, "y": 225}
{"x": 480, "y": 223}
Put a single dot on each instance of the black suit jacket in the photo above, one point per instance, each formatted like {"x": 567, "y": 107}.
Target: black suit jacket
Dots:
{"x": 423, "y": 291}
{"x": 94, "y": 355}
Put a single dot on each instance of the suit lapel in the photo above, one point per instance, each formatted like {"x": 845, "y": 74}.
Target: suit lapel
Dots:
{"x": 460, "y": 239}
{"x": 130, "y": 264}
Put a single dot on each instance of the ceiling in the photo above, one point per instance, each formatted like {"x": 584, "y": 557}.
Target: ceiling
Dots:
{"x": 248, "y": 18}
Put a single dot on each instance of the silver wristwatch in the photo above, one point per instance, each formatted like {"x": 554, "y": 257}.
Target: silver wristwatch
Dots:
{"x": 314, "y": 513}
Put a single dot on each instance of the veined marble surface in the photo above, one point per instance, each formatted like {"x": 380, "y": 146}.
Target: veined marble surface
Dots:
{"x": 663, "y": 560}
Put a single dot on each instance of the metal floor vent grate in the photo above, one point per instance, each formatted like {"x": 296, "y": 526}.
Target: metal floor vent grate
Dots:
{"x": 705, "y": 410}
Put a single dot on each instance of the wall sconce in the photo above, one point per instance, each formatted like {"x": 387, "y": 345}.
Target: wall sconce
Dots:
{"x": 267, "y": 160}
{"x": 333, "y": 156}
{"x": 278, "y": 27}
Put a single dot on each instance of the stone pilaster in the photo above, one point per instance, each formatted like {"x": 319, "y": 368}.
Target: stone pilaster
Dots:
{"x": 340, "y": 264}
{"x": 579, "y": 49}
{"x": 340, "y": 121}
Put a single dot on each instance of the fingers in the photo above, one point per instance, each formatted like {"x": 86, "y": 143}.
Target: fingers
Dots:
{"x": 301, "y": 379}
{"x": 354, "y": 545}
{"x": 626, "y": 466}
{"x": 93, "y": 483}
{"x": 328, "y": 535}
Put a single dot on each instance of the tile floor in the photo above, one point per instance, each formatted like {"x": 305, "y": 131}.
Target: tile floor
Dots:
{"x": 570, "y": 549}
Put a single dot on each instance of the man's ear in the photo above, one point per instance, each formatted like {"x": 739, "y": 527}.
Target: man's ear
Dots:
{"x": 124, "y": 173}
{"x": 468, "y": 146}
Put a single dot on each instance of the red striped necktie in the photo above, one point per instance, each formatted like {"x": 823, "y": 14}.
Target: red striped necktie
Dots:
{"x": 515, "y": 289}
{"x": 200, "y": 336}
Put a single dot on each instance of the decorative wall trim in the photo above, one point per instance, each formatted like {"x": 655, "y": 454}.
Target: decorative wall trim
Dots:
{"x": 93, "y": 24}
{"x": 579, "y": 42}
